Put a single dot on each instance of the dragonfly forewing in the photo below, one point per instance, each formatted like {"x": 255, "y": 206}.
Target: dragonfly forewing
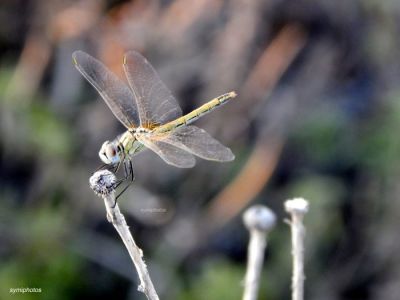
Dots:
{"x": 156, "y": 104}
{"x": 115, "y": 92}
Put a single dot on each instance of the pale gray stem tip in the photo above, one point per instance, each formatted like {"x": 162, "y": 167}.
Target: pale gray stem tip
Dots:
{"x": 103, "y": 182}
{"x": 297, "y": 205}
{"x": 259, "y": 217}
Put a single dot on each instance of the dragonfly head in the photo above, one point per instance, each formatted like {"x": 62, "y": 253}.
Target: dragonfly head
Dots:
{"x": 109, "y": 153}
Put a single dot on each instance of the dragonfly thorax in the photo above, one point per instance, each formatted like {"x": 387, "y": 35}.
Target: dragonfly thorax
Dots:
{"x": 142, "y": 130}
{"x": 109, "y": 153}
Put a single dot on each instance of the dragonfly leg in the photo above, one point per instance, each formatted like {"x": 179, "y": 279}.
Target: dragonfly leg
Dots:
{"x": 103, "y": 166}
{"x": 133, "y": 173}
{"x": 126, "y": 175}
{"x": 119, "y": 183}
{"x": 128, "y": 168}
{"x": 116, "y": 168}
{"x": 121, "y": 160}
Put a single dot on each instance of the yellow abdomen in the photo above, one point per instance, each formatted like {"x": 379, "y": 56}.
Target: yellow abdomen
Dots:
{"x": 195, "y": 114}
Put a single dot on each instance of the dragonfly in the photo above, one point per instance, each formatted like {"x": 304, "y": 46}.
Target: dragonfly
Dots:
{"x": 151, "y": 115}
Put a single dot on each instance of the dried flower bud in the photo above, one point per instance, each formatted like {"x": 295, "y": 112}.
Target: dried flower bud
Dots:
{"x": 259, "y": 217}
{"x": 103, "y": 182}
{"x": 297, "y": 205}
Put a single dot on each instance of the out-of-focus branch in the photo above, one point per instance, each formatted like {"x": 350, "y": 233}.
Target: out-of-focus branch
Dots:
{"x": 74, "y": 20}
{"x": 103, "y": 184}
{"x": 232, "y": 44}
{"x": 274, "y": 61}
{"x": 261, "y": 164}
{"x": 30, "y": 68}
{"x": 241, "y": 190}
{"x": 181, "y": 15}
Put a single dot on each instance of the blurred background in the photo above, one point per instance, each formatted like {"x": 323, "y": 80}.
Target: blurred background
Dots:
{"x": 317, "y": 116}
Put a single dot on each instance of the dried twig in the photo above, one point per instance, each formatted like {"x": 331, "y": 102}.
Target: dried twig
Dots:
{"x": 297, "y": 208}
{"x": 103, "y": 183}
{"x": 259, "y": 220}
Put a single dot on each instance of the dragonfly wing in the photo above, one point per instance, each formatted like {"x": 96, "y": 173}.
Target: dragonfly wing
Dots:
{"x": 155, "y": 102}
{"x": 198, "y": 142}
{"x": 115, "y": 92}
{"x": 169, "y": 153}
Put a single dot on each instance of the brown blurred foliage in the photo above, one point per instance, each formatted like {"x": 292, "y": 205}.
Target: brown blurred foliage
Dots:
{"x": 316, "y": 116}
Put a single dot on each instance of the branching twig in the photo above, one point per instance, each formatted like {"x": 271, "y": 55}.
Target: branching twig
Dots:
{"x": 297, "y": 208}
{"x": 259, "y": 220}
{"x": 103, "y": 183}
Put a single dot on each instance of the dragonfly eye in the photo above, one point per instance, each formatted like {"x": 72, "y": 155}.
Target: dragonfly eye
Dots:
{"x": 108, "y": 153}
{"x": 111, "y": 151}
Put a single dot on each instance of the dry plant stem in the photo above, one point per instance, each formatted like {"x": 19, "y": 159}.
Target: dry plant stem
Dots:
{"x": 257, "y": 245}
{"x": 259, "y": 220}
{"x": 298, "y": 257}
{"x": 297, "y": 208}
{"x": 105, "y": 180}
{"x": 117, "y": 219}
